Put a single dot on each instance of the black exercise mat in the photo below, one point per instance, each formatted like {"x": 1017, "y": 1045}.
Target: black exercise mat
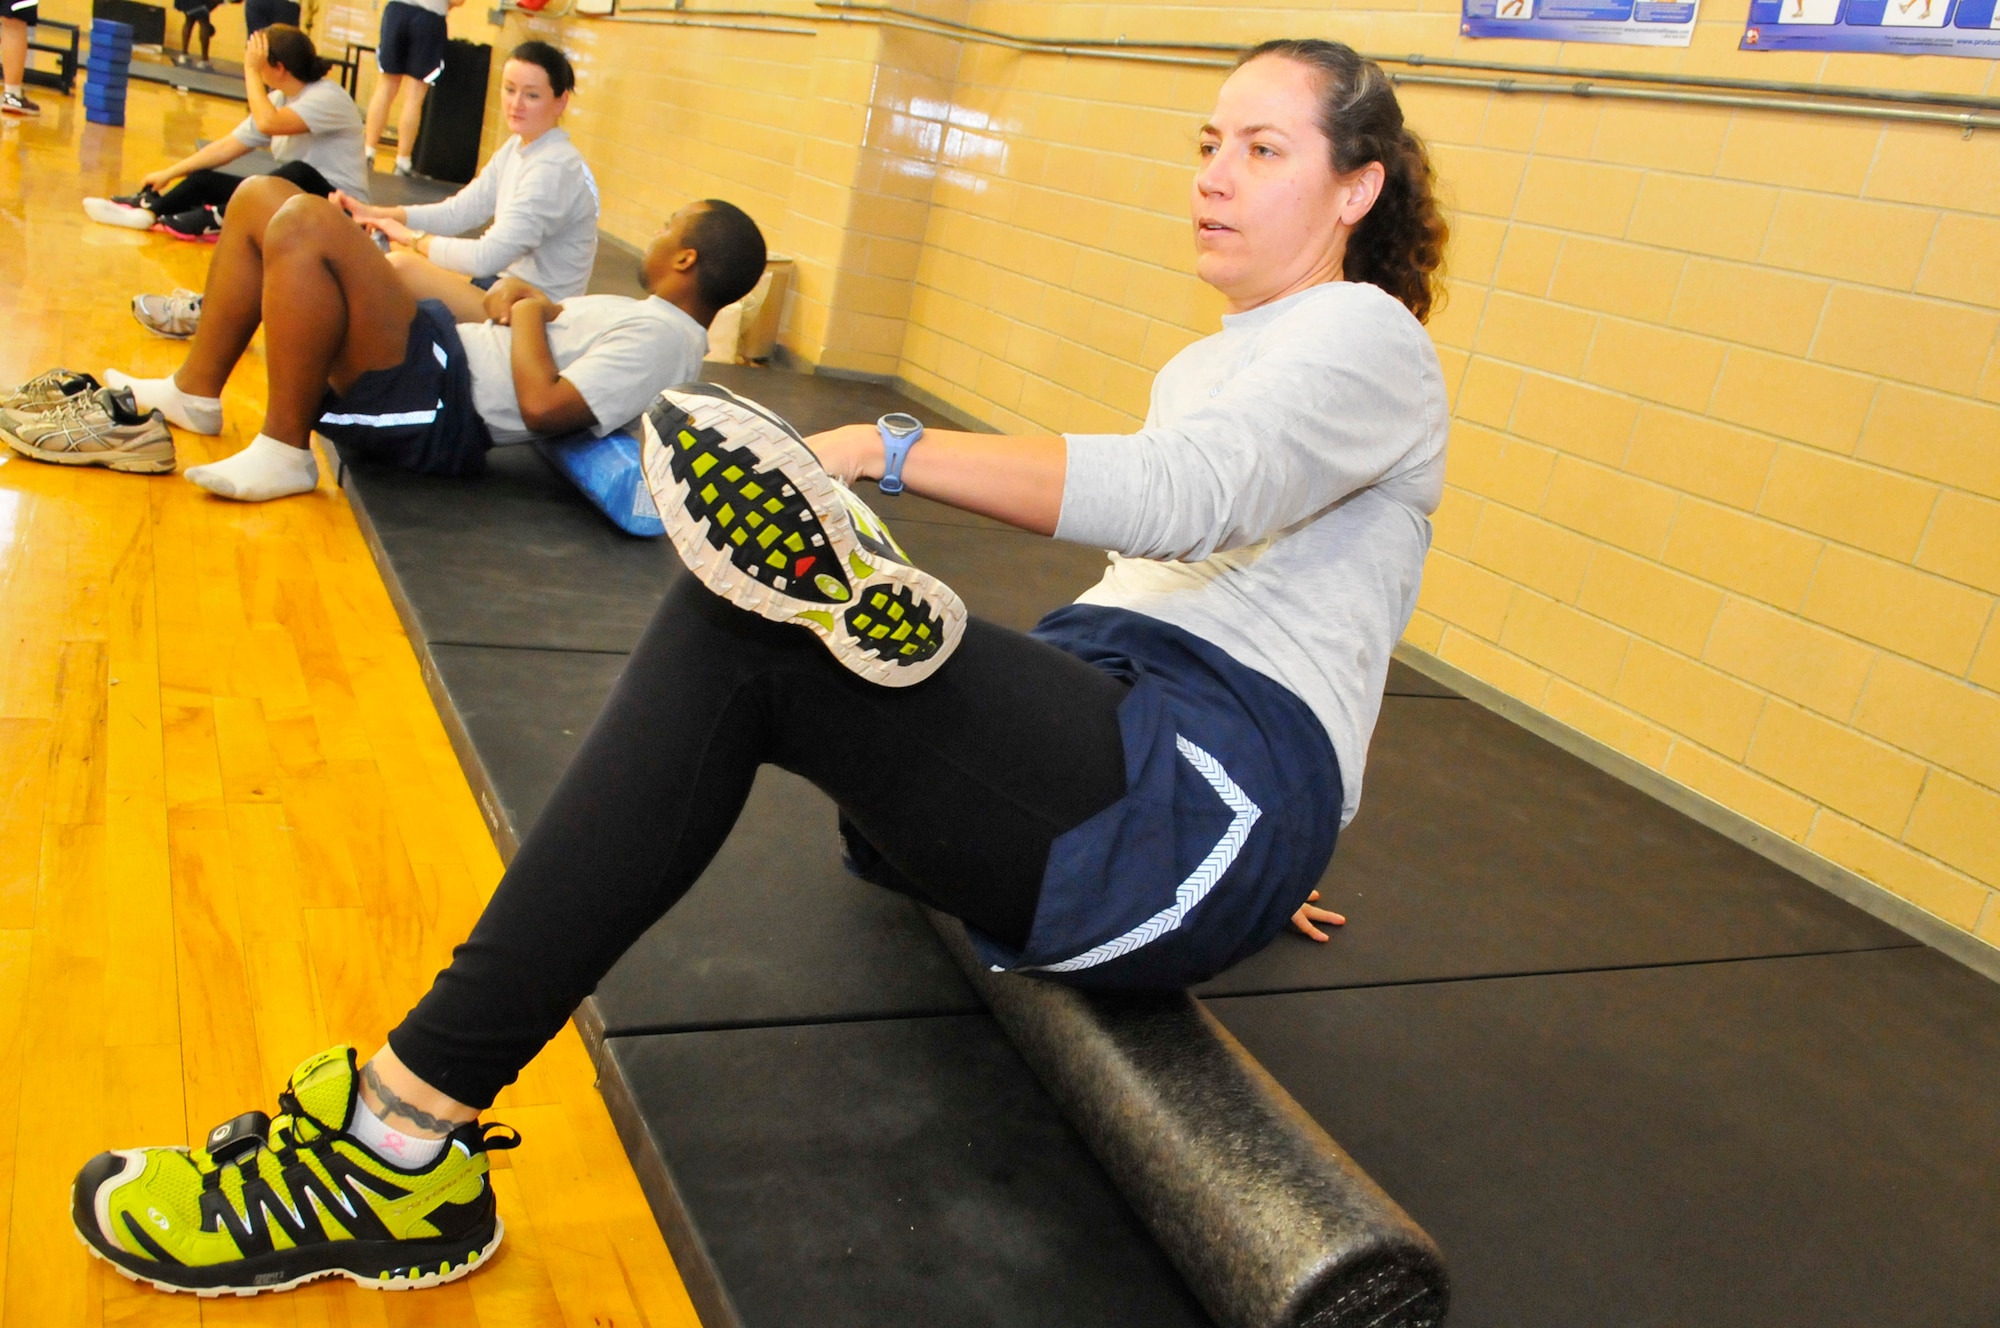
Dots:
{"x": 893, "y": 1172}
{"x": 1481, "y": 849}
{"x": 1796, "y": 1142}
{"x": 526, "y": 712}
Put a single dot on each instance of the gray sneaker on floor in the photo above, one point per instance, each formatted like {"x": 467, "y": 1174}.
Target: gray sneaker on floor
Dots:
{"x": 15, "y": 103}
{"x": 175, "y": 315}
{"x": 100, "y": 428}
{"x": 49, "y": 389}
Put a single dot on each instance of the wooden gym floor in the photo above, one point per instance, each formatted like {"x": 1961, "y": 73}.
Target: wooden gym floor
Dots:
{"x": 232, "y": 831}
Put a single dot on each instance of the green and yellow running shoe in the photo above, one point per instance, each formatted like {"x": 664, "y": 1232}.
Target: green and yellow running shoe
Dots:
{"x": 755, "y": 516}
{"x": 266, "y": 1205}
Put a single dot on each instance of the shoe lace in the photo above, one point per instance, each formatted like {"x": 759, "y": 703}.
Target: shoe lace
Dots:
{"x": 81, "y": 406}
{"x": 291, "y": 1132}
{"x": 44, "y": 382}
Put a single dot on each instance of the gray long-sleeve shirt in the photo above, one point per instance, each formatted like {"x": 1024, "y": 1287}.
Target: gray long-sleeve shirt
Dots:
{"x": 542, "y": 201}
{"x": 1276, "y": 504}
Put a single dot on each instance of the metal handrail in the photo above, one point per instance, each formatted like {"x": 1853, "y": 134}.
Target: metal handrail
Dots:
{"x": 1758, "y": 94}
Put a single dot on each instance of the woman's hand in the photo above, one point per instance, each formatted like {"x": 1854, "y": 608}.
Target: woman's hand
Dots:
{"x": 158, "y": 180}
{"x": 355, "y": 208}
{"x": 395, "y": 230}
{"x": 257, "y": 57}
{"x": 851, "y": 453}
{"x": 1308, "y": 915}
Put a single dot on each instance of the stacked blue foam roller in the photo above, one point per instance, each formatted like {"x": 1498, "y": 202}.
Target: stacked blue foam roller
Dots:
{"x": 107, "y": 72}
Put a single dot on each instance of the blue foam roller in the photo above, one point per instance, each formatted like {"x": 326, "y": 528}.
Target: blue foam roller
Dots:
{"x": 98, "y": 71}
{"x": 104, "y": 41}
{"x": 609, "y": 473}
{"x": 116, "y": 108}
{"x": 111, "y": 27}
{"x": 107, "y": 55}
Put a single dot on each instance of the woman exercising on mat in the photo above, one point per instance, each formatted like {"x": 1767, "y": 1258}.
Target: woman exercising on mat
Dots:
{"x": 535, "y": 189}
{"x": 1136, "y": 794}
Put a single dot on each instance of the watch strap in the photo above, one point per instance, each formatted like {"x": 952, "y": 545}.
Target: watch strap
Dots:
{"x": 895, "y": 450}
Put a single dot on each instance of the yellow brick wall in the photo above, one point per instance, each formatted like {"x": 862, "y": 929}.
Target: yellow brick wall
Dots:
{"x": 1725, "y": 476}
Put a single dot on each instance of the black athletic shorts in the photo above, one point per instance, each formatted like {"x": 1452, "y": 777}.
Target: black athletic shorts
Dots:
{"x": 419, "y": 414}
{"x": 24, "y": 10}
{"x": 261, "y": 14}
{"x": 195, "y": 9}
{"x": 412, "y": 43}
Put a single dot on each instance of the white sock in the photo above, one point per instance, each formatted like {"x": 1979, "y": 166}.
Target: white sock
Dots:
{"x": 404, "y": 163}
{"x": 14, "y": 90}
{"x": 264, "y": 470}
{"x": 411, "y": 1152}
{"x": 195, "y": 414}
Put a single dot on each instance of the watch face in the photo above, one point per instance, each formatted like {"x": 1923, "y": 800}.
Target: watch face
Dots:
{"x": 901, "y": 425}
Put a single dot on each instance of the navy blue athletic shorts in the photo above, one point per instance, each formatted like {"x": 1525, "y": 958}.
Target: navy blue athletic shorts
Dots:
{"x": 27, "y": 11}
{"x": 1231, "y": 809}
{"x": 487, "y": 283}
{"x": 412, "y": 43}
{"x": 261, "y": 14}
{"x": 419, "y": 414}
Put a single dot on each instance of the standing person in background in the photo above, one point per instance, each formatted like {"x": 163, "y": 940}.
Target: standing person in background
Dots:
{"x": 410, "y": 55}
{"x": 15, "y": 16}
{"x": 536, "y": 190}
{"x": 261, "y": 14}
{"x": 195, "y": 14}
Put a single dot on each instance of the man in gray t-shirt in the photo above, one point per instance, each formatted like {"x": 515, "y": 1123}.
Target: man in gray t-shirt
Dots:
{"x": 351, "y": 354}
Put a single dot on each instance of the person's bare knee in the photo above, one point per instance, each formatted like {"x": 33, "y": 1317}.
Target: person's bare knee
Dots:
{"x": 256, "y": 201}
{"x": 302, "y": 219}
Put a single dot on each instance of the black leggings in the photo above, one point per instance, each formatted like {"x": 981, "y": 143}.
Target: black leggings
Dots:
{"x": 215, "y": 188}
{"x": 961, "y": 782}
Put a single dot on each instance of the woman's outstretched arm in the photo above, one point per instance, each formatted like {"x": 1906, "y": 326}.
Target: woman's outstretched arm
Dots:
{"x": 1016, "y": 479}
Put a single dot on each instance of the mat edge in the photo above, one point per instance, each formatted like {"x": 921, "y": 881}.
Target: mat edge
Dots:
{"x": 1875, "y": 900}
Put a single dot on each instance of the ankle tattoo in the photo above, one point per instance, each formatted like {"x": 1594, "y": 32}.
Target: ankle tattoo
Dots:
{"x": 395, "y": 1106}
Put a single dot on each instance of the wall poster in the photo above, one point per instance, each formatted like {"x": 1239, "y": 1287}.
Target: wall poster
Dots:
{"x": 1896, "y": 27}
{"x": 1620, "y": 22}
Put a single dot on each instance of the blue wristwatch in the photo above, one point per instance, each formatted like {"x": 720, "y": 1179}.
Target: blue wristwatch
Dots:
{"x": 899, "y": 434}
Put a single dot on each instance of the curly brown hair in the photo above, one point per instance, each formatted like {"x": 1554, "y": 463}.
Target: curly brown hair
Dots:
{"x": 1399, "y": 245}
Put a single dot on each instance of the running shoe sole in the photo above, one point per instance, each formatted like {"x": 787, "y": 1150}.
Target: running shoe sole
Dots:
{"x": 753, "y": 514}
{"x": 402, "y": 1265}
{"x": 206, "y": 237}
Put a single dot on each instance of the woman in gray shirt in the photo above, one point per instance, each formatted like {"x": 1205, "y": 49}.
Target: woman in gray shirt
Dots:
{"x": 535, "y": 189}
{"x": 1136, "y": 794}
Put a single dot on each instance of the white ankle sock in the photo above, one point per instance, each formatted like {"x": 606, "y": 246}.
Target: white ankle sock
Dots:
{"x": 411, "y": 1152}
{"x": 264, "y": 470}
{"x": 405, "y": 163}
{"x": 193, "y": 413}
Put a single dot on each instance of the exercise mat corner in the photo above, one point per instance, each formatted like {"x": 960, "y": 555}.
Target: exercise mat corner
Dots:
{"x": 1272, "y": 1224}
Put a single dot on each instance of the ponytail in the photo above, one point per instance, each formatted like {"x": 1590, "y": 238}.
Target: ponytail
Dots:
{"x": 291, "y": 49}
{"x": 1399, "y": 245}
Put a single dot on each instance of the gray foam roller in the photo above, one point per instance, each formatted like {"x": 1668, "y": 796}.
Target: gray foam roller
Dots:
{"x": 1272, "y": 1225}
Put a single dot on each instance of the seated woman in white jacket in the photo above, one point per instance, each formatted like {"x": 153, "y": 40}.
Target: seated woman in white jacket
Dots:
{"x": 536, "y": 190}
